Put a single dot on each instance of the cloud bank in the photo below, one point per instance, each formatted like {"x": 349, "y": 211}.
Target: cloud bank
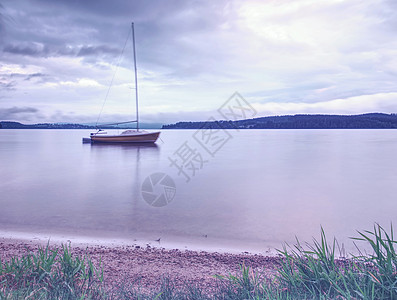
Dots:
{"x": 284, "y": 57}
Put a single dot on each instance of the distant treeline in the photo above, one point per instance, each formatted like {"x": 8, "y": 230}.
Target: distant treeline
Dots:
{"x": 364, "y": 121}
{"x": 17, "y": 125}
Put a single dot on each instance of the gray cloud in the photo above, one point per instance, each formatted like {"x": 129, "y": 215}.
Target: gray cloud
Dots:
{"x": 38, "y": 50}
{"x": 35, "y": 75}
{"x": 18, "y": 113}
{"x": 10, "y": 81}
{"x": 2, "y": 22}
{"x": 169, "y": 32}
{"x": 95, "y": 50}
{"x": 30, "y": 50}
{"x": 7, "y": 85}
{"x": 190, "y": 53}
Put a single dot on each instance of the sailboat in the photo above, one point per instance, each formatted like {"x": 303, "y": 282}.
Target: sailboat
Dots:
{"x": 127, "y": 136}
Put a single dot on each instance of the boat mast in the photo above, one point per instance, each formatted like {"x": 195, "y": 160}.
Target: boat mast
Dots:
{"x": 136, "y": 78}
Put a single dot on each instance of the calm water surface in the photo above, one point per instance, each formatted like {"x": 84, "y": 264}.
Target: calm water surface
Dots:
{"x": 261, "y": 188}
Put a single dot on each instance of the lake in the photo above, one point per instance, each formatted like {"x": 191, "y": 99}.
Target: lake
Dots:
{"x": 247, "y": 190}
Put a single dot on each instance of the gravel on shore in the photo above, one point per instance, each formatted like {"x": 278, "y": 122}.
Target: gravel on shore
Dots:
{"x": 148, "y": 265}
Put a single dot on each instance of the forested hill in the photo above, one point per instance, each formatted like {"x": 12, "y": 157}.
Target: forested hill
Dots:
{"x": 17, "y": 125}
{"x": 364, "y": 121}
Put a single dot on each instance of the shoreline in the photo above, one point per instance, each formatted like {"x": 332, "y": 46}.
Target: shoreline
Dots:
{"x": 143, "y": 240}
{"x": 150, "y": 272}
{"x": 125, "y": 264}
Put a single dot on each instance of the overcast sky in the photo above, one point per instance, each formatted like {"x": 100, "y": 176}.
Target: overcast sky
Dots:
{"x": 58, "y": 58}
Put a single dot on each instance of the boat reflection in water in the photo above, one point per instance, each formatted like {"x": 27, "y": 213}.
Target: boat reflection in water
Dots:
{"x": 134, "y": 145}
{"x": 138, "y": 158}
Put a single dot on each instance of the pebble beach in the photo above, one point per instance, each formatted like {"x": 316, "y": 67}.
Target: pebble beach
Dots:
{"x": 125, "y": 264}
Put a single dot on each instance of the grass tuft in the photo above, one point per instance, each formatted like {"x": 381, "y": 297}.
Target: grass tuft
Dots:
{"x": 50, "y": 274}
{"x": 310, "y": 272}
